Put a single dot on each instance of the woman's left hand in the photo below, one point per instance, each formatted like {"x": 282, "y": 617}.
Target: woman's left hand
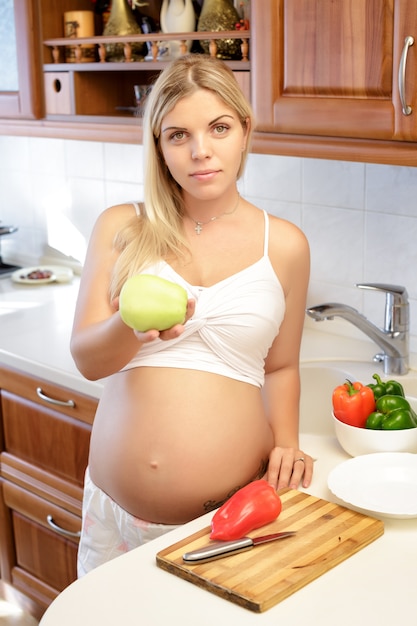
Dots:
{"x": 288, "y": 467}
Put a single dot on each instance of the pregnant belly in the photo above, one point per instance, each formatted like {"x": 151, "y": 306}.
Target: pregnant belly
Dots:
{"x": 170, "y": 457}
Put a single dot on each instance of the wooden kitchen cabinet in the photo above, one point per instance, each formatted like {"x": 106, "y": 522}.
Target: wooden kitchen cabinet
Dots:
{"x": 104, "y": 90}
{"x": 87, "y": 101}
{"x": 326, "y": 75}
{"x": 44, "y": 443}
{"x": 323, "y": 78}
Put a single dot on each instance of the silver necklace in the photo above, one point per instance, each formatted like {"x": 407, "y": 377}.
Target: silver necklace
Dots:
{"x": 199, "y": 225}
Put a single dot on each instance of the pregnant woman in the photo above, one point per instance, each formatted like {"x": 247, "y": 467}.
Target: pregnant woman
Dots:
{"x": 190, "y": 414}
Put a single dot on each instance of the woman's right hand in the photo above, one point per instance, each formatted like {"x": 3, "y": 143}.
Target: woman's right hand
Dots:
{"x": 169, "y": 333}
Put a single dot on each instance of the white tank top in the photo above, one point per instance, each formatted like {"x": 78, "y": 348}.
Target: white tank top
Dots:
{"x": 234, "y": 324}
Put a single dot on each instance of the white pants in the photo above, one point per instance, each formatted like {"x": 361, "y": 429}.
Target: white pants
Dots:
{"x": 108, "y": 530}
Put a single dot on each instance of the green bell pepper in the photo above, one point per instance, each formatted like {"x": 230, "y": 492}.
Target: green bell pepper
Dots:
{"x": 390, "y": 387}
{"x": 374, "y": 421}
{"x": 392, "y": 413}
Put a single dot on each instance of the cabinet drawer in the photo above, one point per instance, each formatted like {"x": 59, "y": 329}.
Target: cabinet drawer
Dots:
{"x": 38, "y": 510}
{"x": 33, "y": 543}
{"x": 49, "y": 395}
{"x": 40, "y": 550}
{"x": 46, "y": 438}
{"x": 43, "y": 484}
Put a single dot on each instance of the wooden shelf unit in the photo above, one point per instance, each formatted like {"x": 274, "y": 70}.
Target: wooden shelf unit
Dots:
{"x": 105, "y": 89}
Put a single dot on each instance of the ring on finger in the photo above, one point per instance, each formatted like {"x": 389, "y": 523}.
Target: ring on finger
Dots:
{"x": 301, "y": 458}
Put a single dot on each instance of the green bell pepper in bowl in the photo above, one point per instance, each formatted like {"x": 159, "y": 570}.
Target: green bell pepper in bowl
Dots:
{"x": 393, "y": 412}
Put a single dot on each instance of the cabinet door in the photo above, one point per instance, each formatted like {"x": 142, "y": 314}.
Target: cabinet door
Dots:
{"x": 20, "y": 75}
{"x": 405, "y": 18}
{"x": 334, "y": 67}
{"x": 44, "y": 442}
{"x": 45, "y": 438}
{"x": 35, "y": 543}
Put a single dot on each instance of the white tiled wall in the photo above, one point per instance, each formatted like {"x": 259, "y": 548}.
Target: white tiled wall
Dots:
{"x": 360, "y": 219}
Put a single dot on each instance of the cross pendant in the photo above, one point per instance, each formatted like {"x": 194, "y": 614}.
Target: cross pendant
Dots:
{"x": 198, "y": 228}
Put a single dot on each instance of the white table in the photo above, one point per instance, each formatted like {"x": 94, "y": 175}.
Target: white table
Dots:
{"x": 376, "y": 586}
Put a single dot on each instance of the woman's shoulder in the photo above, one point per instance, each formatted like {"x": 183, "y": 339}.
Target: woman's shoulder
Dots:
{"x": 281, "y": 228}
{"x": 116, "y": 217}
{"x": 121, "y": 212}
{"x": 288, "y": 244}
{"x": 111, "y": 221}
{"x": 289, "y": 252}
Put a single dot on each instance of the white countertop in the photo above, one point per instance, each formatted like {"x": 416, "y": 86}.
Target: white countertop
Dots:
{"x": 36, "y": 326}
{"x": 35, "y": 329}
{"x": 375, "y": 586}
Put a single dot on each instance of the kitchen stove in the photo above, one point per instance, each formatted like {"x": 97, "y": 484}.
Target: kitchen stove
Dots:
{"x": 6, "y": 268}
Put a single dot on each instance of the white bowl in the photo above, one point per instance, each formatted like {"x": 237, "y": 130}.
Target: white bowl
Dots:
{"x": 357, "y": 441}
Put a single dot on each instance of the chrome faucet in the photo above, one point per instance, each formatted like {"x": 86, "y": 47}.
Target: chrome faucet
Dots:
{"x": 393, "y": 339}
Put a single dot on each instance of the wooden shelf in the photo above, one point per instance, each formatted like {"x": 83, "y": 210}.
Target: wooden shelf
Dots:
{"x": 134, "y": 66}
{"x": 55, "y": 45}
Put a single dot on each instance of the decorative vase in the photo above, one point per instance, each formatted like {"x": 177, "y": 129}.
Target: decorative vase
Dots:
{"x": 177, "y": 16}
{"x": 217, "y": 15}
{"x": 122, "y": 22}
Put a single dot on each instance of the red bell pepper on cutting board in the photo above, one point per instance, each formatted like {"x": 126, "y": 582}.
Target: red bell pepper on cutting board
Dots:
{"x": 251, "y": 507}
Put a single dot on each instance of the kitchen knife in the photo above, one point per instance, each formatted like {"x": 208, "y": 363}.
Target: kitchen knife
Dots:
{"x": 220, "y": 549}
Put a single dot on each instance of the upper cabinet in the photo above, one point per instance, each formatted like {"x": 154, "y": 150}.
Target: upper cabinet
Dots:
{"x": 102, "y": 92}
{"x": 20, "y": 79}
{"x": 342, "y": 70}
{"x": 330, "y": 79}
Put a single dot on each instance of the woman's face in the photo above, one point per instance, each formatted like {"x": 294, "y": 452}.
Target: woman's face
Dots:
{"x": 202, "y": 141}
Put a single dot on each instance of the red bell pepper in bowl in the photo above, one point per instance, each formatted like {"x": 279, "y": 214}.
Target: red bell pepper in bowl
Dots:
{"x": 352, "y": 403}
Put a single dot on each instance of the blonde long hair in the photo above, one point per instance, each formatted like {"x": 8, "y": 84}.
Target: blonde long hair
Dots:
{"x": 158, "y": 232}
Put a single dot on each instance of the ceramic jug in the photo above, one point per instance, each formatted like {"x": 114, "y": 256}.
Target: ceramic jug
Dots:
{"x": 177, "y": 16}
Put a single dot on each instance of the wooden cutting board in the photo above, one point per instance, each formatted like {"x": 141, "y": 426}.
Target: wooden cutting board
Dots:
{"x": 327, "y": 534}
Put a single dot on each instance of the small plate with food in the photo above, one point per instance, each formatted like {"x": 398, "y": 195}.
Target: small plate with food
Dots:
{"x": 42, "y": 274}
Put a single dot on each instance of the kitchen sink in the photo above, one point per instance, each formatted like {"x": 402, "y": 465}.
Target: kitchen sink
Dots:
{"x": 317, "y": 384}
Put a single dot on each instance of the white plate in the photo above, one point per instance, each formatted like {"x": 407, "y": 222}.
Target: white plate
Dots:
{"x": 384, "y": 483}
{"x": 60, "y": 274}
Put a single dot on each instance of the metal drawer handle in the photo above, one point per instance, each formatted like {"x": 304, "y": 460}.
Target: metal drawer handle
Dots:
{"x": 42, "y": 396}
{"x": 407, "y": 110}
{"x": 61, "y": 531}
